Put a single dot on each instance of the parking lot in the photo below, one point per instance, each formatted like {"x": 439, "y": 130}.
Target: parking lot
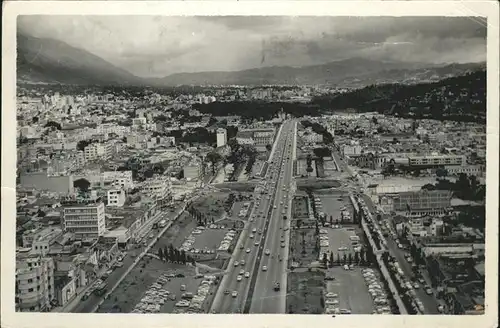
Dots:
{"x": 352, "y": 292}
{"x": 331, "y": 205}
{"x": 339, "y": 238}
{"x": 132, "y": 289}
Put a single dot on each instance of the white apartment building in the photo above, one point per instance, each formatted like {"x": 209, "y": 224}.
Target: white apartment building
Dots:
{"x": 221, "y": 137}
{"x": 34, "y": 283}
{"x": 119, "y": 178}
{"x": 86, "y": 221}
{"x": 477, "y": 170}
{"x": 437, "y": 160}
{"x": 139, "y": 122}
{"x": 352, "y": 150}
{"x": 98, "y": 151}
{"x": 157, "y": 189}
{"x": 313, "y": 138}
{"x": 116, "y": 197}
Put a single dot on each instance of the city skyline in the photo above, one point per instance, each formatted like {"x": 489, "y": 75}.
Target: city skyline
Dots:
{"x": 167, "y": 45}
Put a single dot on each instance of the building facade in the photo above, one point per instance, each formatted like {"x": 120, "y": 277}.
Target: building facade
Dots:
{"x": 221, "y": 137}
{"x": 34, "y": 284}
{"x": 86, "y": 221}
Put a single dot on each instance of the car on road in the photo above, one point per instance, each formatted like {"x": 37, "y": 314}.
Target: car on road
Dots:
{"x": 239, "y": 278}
{"x": 282, "y": 245}
{"x": 274, "y": 206}
{"x": 268, "y": 252}
{"x": 242, "y": 272}
{"x": 345, "y": 311}
{"x": 264, "y": 268}
{"x": 256, "y": 243}
{"x": 242, "y": 246}
{"x": 277, "y": 286}
{"x": 254, "y": 230}
{"x": 234, "y": 294}
{"x": 251, "y": 236}
{"x": 236, "y": 263}
{"x": 247, "y": 274}
{"x": 248, "y": 250}
{"x": 428, "y": 291}
{"x": 260, "y": 232}
{"x": 416, "y": 286}
{"x": 242, "y": 262}
{"x": 226, "y": 292}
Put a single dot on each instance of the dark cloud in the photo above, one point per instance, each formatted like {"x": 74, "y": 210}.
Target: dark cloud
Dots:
{"x": 161, "y": 45}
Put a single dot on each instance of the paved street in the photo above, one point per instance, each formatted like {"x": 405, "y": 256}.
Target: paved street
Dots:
{"x": 226, "y": 303}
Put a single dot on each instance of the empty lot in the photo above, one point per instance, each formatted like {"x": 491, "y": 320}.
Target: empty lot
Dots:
{"x": 351, "y": 289}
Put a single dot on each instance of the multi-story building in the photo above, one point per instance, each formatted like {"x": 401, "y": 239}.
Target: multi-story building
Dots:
{"x": 221, "y": 137}
{"x": 139, "y": 122}
{"x": 313, "y": 137}
{"x": 263, "y": 138}
{"x": 158, "y": 189}
{"x": 352, "y": 150}
{"x": 85, "y": 219}
{"x": 34, "y": 283}
{"x": 437, "y": 160}
{"x": 477, "y": 170}
{"x": 422, "y": 202}
{"x": 122, "y": 179}
{"x": 116, "y": 197}
{"x": 98, "y": 151}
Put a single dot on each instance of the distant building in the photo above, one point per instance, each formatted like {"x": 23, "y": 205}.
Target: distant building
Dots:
{"x": 434, "y": 160}
{"x": 85, "y": 220}
{"x": 98, "y": 151}
{"x": 221, "y": 137}
{"x": 34, "y": 283}
{"x": 422, "y": 202}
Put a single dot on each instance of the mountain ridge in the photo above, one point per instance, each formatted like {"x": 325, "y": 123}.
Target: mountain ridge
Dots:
{"x": 45, "y": 60}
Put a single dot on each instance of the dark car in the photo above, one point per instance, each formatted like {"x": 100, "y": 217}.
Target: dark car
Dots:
{"x": 180, "y": 275}
{"x": 277, "y": 286}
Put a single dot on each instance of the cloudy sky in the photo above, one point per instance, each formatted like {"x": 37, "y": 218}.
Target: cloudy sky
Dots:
{"x": 155, "y": 46}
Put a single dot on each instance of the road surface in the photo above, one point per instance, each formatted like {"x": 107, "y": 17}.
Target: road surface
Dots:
{"x": 246, "y": 249}
{"x": 265, "y": 299}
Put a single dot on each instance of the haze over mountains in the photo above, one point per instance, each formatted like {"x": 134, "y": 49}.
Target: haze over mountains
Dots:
{"x": 43, "y": 60}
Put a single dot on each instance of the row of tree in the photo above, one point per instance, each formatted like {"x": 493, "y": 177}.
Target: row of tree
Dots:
{"x": 173, "y": 255}
{"x": 359, "y": 258}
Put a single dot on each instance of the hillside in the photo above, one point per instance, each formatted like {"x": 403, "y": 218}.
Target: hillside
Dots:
{"x": 461, "y": 98}
{"x": 43, "y": 60}
{"x": 354, "y": 72}
{"x": 50, "y": 61}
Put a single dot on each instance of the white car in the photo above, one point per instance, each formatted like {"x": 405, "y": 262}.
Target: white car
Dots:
{"x": 239, "y": 278}
{"x": 234, "y": 294}
{"x": 251, "y": 236}
{"x": 264, "y": 268}
{"x": 267, "y": 252}
{"x": 236, "y": 263}
{"x": 248, "y": 250}
{"x": 343, "y": 248}
{"x": 247, "y": 274}
{"x": 256, "y": 243}
{"x": 242, "y": 272}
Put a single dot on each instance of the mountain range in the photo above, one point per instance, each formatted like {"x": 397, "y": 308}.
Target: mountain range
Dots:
{"x": 44, "y": 60}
